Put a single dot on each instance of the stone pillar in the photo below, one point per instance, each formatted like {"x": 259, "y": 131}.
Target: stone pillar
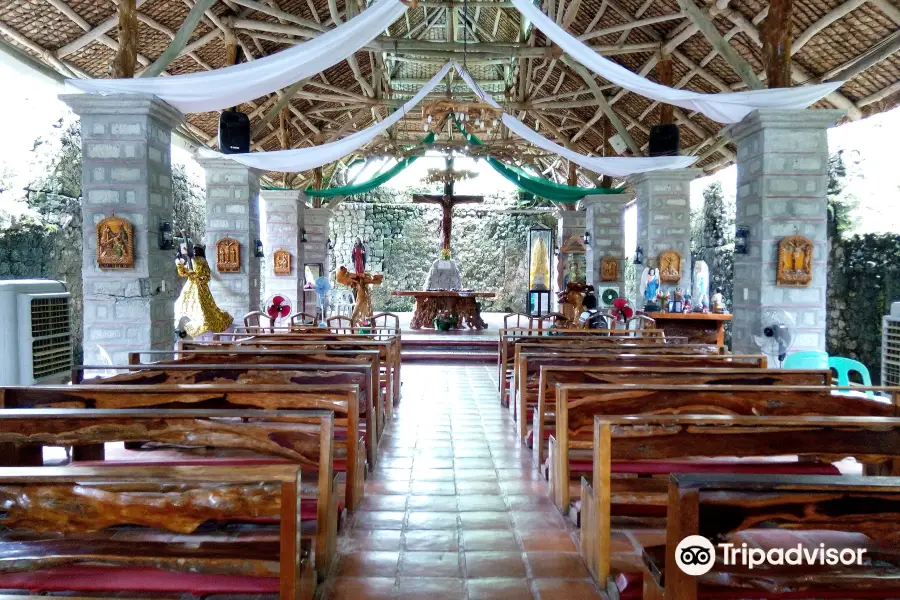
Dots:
{"x": 318, "y": 230}
{"x": 664, "y": 217}
{"x": 126, "y": 142}
{"x": 606, "y": 223}
{"x": 232, "y": 210}
{"x": 284, "y": 230}
{"x": 782, "y": 163}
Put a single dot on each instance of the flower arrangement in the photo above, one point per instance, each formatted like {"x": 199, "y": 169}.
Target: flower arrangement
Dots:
{"x": 445, "y": 254}
{"x": 446, "y": 320}
{"x": 365, "y": 325}
{"x": 662, "y": 298}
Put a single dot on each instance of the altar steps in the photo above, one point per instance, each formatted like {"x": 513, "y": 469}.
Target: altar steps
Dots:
{"x": 448, "y": 350}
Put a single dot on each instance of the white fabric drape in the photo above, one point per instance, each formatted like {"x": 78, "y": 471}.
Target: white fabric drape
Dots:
{"x": 303, "y": 159}
{"x": 613, "y": 166}
{"x": 231, "y": 86}
{"x": 725, "y": 107}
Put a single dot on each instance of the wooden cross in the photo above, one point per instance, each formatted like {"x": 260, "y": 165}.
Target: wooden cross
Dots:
{"x": 447, "y": 201}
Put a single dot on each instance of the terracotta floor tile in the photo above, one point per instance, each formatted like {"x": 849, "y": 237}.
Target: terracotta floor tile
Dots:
{"x": 392, "y": 474}
{"x": 481, "y": 503}
{"x": 387, "y": 487}
{"x": 431, "y": 588}
{"x": 529, "y": 501}
{"x": 496, "y": 540}
{"x": 476, "y": 475}
{"x": 379, "y": 519}
{"x": 498, "y": 589}
{"x": 430, "y": 564}
{"x": 542, "y": 519}
{"x": 494, "y": 564}
{"x": 433, "y": 475}
{"x": 564, "y": 565}
{"x": 436, "y": 488}
{"x": 431, "y": 520}
{"x": 363, "y": 588}
{"x": 433, "y": 503}
{"x": 383, "y": 502}
{"x": 369, "y": 564}
{"x": 563, "y": 589}
{"x": 555, "y": 540}
{"x": 431, "y": 541}
{"x": 378, "y": 539}
{"x": 474, "y": 463}
{"x": 433, "y": 463}
{"x": 477, "y": 487}
{"x": 485, "y": 520}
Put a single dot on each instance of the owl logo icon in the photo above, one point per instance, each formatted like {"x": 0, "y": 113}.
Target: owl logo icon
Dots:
{"x": 695, "y": 555}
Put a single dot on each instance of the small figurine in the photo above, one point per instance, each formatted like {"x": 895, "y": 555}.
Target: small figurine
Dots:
{"x": 359, "y": 257}
{"x": 718, "y": 302}
{"x": 649, "y": 288}
{"x": 701, "y": 284}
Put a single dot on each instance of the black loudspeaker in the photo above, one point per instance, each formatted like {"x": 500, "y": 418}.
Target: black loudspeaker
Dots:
{"x": 234, "y": 132}
{"x": 664, "y": 140}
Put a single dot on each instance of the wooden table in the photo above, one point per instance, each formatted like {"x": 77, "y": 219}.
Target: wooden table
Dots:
{"x": 464, "y": 304}
{"x": 698, "y": 328}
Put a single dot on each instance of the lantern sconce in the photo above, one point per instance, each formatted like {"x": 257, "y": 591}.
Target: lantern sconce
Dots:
{"x": 259, "y": 250}
{"x": 740, "y": 240}
{"x": 639, "y": 256}
{"x": 329, "y": 245}
{"x": 166, "y": 237}
{"x": 587, "y": 237}
{"x": 303, "y": 239}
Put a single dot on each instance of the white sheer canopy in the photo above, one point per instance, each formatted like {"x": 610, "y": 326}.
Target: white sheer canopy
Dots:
{"x": 234, "y": 85}
{"x": 725, "y": 107}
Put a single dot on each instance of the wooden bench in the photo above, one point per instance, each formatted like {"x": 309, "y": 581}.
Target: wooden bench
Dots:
{"x": 207, "y": 437}
{"x": 342, "y": 400}
{"x": 705, "y": 370}
{"x": 577, "y": 405}
{"x": 510, "y": 336}
{"x": 845, "y": 513}
{"x": 115, "y": 530}
{"x": 528, "y": 356}
{"x": 278, "y": 374}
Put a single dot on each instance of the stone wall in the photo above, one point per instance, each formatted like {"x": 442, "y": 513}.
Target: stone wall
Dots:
{"x": 489, "y": 246}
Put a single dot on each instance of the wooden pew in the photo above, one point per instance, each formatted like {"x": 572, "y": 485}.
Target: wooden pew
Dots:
{"x": 528, "y": 356}
{"x": 342, "y": 400}
{"x": 250, "y": 355}
{"x": 738, "y": 369}
{"x": 577, "y": 405}
{"x": 730, "y": 508}
{"x": 308, "y": 374}
{"x": 510, "y": 336}
{"x": 391, "y": 356}
{"x": 208, "y": 437}
{"x": 60, "y": 531}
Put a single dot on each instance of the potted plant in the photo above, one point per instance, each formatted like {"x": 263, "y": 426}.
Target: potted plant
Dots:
{"x": 446, "y": 320}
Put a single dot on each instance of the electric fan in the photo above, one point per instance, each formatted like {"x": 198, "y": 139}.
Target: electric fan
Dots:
{"x": 322, "y": 287}
{"x": 278, "y": 307}
{"x": 622, "y": 309}
{"x": 775, "y": 333}
{"x": 609, "y": 296}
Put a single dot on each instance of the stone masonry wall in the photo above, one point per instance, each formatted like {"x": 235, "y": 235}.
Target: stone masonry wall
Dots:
{"x": 489, "y": 246}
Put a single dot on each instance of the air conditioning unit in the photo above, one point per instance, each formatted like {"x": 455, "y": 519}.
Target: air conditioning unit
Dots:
{"x": 890, "y": 347}
{"x": 35, "y": 332}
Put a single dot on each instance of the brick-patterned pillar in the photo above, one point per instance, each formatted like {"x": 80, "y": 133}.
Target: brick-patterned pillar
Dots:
{"x": 782, "y": 163}
{"x": 664, "y": 217}
{"x": 606, "y": 224}
{"x": 284, "y": 230}
{"x": 126, "y": 142}
{"x": 232, "y": 210}
{"x": 318, "y": 224}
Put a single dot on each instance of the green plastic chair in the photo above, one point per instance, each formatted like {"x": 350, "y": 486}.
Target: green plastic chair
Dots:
{"x": 844, "y": 366}
{"x": 810, "y": 359}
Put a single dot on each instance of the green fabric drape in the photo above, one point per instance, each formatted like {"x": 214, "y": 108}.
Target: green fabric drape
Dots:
{"x": 370, "y": 184}
{"x": 537, "y": 185}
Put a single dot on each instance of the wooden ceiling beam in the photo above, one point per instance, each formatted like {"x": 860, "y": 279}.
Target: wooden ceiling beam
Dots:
{"x": 92, "y": 35}
{"x": 632, "y": 25}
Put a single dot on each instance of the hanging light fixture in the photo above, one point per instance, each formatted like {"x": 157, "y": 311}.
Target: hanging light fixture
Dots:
{"x": 639, "y": 256}
{"x": 740, "y": 240}
{"x": 259, "y": 250}
{"x": 587, "y": 237}
{"x": 303, "y": 239}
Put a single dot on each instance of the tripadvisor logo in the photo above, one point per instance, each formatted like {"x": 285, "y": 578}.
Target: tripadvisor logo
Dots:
{"x": 695, "y": 555}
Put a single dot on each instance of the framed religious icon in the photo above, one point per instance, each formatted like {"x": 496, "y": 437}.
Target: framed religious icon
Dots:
{"x": 228, "y": 255}
{"x": 669, "y": 266}
{"x": 795, "y": 254}
{"x": 539, "y": 246}
{"x": 282, "y": 262}
{"x": 609, "y": 269}
{"x": 115, "y": 243}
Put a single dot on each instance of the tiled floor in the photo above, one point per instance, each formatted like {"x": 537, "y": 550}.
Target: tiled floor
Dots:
{"x": 455, "y": 508}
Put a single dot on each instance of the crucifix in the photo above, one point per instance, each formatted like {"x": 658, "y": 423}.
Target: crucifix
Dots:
{"x": 447, "y": 201}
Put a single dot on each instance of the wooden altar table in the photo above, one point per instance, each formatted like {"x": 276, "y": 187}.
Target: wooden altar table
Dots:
{"x": 429, "y": 303}
{"x": 698, "y": 328}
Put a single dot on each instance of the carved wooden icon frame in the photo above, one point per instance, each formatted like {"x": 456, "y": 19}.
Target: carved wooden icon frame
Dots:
{"x": 228, "y": 255}
{"x": 282, "y": 262}
{"x": 795, "y": 256}
{"x": 115, "y": 243}
{"x": 573, "y": 245}
{"x": 669, "y": 266}
{"x": 609, "y": 268}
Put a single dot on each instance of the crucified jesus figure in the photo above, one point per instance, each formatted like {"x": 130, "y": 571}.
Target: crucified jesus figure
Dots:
{"x": 447, "y": 201}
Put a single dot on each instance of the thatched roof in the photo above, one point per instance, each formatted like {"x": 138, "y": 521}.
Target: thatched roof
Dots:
{"x": 515, "y": 64}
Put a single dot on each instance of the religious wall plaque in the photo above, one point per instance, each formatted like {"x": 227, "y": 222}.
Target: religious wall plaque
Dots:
{"x": 115, "y": 243}
{"x": 609, "y": 269}
{"x": 669, "y": 266}
{"x": 795, "y": 254}
{"x": 228, "y": 255}
{"x": 282, "y": 260}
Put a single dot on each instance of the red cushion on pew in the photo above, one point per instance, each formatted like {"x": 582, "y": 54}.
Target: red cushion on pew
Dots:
{"x": 700, "y": 466}
{"x": 117, "y": 579}
{"x": 150, "y": 461}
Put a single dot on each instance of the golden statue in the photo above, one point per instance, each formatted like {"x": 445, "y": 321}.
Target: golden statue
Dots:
{"x": 360, "y": 282}
{"x": 196, "y": 302}
{"x": 540, "y": 274}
